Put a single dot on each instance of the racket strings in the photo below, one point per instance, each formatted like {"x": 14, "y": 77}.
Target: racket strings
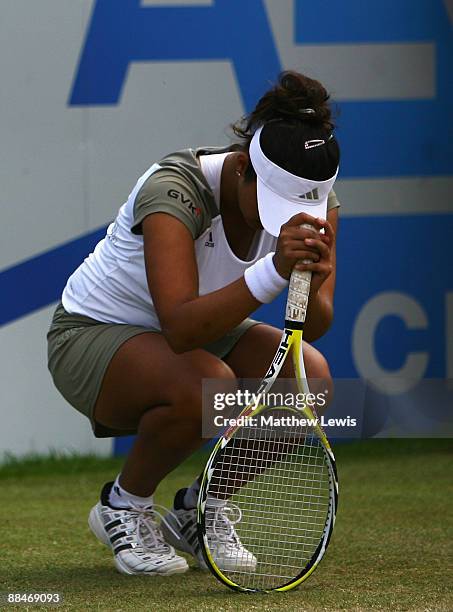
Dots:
{"x": 279, "y": 480}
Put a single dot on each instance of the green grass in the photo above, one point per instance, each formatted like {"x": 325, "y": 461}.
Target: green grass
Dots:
{"x": 392, "y": 547}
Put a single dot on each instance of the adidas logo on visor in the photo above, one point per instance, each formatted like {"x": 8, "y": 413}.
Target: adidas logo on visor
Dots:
{"x": 311, "y": 195}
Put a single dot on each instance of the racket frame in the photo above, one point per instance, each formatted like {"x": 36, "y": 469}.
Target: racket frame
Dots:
{"x": 291, "y": 341}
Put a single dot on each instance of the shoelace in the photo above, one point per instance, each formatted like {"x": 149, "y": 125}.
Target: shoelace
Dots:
{"x": 223, "y": 521}
{"x": 149, "y": 534}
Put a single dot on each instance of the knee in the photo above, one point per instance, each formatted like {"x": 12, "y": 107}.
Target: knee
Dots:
{"x": 318, "y": 370}
{"x": 318, "y": 366}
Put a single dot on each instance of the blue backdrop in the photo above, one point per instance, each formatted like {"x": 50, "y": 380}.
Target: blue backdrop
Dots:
{"x": 380, "y": 139}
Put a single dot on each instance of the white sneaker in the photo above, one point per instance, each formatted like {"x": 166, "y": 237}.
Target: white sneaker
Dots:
{"x": 180, "y": 529}
{"x": 135, "y": 538}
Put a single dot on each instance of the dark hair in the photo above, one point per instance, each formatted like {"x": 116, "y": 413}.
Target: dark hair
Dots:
{"x": 288, "y": 126}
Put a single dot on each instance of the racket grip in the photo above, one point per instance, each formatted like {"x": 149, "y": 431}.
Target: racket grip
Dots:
{"x": 298, "y": 292}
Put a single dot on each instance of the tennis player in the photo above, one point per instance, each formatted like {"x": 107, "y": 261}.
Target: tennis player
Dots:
{"x": 206, "y": 236}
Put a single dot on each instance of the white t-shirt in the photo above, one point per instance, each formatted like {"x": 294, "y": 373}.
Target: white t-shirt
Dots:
{"x": 111, "y": 286}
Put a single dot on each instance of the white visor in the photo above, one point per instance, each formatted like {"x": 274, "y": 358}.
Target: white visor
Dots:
{"x": 281, "y": 195}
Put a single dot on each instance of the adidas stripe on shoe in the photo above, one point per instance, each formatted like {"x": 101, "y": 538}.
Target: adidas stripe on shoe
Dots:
{"x": 135, "y": 537}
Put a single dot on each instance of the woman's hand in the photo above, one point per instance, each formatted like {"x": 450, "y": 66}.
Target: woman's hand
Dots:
{"x": 296, "y": 243}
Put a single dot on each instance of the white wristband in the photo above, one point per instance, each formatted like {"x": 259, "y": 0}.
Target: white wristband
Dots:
{"x": 263, "y": 280}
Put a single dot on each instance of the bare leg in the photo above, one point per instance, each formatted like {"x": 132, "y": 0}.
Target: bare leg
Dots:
{"x": 149, "y": 387}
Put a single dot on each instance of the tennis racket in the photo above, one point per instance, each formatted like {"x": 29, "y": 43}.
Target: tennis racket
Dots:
{"x": 269, "y": 495}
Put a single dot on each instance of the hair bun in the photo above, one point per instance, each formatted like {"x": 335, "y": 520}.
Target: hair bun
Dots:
{"x": 294, "y": 112}
{"x": 295, "y": 97}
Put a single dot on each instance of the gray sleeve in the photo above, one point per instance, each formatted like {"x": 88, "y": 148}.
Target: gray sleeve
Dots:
{"x": 168, "y": 193}
{"x": 332, "y": 200}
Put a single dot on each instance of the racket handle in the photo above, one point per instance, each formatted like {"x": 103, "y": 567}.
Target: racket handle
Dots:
{"x": 298, "y": 292}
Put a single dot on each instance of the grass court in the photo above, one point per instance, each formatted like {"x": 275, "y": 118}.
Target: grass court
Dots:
{"x": 392, "y": 548}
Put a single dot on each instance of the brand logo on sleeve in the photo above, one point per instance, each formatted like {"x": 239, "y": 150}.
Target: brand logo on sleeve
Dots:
{"x": 177, "y": 195}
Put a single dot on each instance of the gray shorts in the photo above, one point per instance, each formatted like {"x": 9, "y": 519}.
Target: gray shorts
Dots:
{"x": 80, "y": 350}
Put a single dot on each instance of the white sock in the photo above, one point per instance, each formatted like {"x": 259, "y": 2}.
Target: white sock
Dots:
{"x": 191, "y": 496}
{"x": 120, "y": 498}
